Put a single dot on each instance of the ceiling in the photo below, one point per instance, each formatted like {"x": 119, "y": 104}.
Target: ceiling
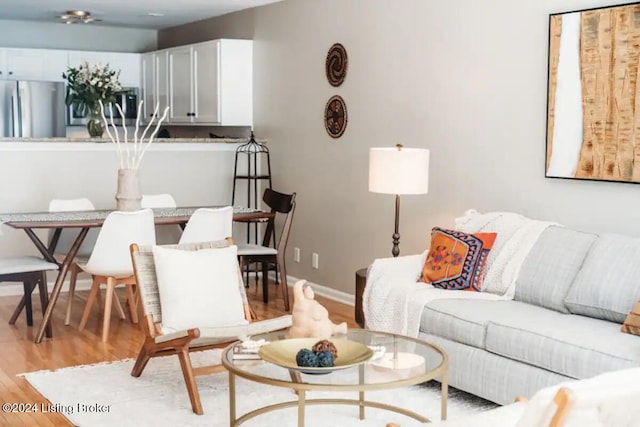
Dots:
{"x": 126, "y": 13}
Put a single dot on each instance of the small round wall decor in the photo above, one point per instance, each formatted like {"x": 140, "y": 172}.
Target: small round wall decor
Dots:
{"x": 336, "y": 64}
{"x": 335, "y": 116}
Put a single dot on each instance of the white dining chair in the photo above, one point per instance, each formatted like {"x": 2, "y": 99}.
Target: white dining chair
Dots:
{"x": 165, "y": 234}
{"x": 208, "y": 224}
{"x": 158, "y": 201}
{"x": 110, "y": 261}
{"x": 32, "y": 272}
{"x": 67, "y": 238}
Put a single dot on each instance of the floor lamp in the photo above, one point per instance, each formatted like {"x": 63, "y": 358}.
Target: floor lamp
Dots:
{"x": 398, "y": 170}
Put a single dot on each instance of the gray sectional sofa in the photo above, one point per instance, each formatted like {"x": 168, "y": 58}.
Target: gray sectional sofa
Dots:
{"x": 573, "y": 292}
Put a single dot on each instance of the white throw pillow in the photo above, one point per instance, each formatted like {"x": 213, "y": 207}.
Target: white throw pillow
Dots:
{"x": 198, "y": 289}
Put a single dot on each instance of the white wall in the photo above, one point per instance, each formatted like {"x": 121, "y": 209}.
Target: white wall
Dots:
{"x": 31, "y": 174}
{"x": 51, "y": 35}
{"x": 466, "y": 79}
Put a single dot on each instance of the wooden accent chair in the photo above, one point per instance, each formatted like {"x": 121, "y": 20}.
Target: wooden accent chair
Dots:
{"x": 181, "y": 343}
{"x": 268, "y": 256}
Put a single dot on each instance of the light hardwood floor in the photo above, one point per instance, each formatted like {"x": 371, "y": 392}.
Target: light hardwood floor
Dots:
{"x": 69, "y": 347}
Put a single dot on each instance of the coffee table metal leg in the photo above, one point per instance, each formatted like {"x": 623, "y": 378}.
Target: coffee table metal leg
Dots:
{"x": 301, "y": 403}
{"x": 361, "y": 393}
{"x": 444, "y": 397}
{"x": 232, "y": 399}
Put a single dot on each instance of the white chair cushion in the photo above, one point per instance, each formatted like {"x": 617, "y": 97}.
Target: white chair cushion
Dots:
{"x": 591, "y": 400}
{"x": 198, "y": 289}
{"x": 25, "y": 264}
{"x": 248, "y": 249}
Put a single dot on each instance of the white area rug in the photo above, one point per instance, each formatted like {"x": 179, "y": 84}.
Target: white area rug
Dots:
{"x": 159, "y": 398}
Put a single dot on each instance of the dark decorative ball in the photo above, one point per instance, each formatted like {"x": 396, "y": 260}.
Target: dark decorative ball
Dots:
{"x": 307, "y": 358}
{"x": 325, "y": 359}
{"x": 325, "y": 345}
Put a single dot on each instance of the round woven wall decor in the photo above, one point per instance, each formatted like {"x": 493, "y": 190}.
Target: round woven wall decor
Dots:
{"x": 335, "y": 116}
{"x": 336, "y": 64}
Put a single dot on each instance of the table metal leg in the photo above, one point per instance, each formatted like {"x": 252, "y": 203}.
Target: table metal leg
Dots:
{"x": 301, "y": 403}
{"x": 57, "y": 287}
{"x": 232, "y": 399}
{"x": 361, "y": 393}
{"x": 444, "y": 397}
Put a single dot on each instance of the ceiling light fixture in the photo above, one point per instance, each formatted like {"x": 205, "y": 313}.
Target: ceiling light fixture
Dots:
{"x": 76, "y": 16}
{"x": 156, "y": 14}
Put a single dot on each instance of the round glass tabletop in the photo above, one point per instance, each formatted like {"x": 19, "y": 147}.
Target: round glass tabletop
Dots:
{"x": 397, "y": 360}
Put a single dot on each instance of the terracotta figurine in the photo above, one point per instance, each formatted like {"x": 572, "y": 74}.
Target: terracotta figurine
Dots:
{"x": 309, "y": 318}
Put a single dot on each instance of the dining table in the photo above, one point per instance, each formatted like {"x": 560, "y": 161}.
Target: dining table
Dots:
{"x": 84, "y": 221}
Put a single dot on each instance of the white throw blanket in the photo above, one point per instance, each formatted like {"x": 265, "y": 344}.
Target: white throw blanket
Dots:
{"x": 393, "y": 300}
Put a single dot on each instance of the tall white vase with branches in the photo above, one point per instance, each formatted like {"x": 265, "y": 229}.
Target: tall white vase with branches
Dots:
{"x": 128, "y": 194}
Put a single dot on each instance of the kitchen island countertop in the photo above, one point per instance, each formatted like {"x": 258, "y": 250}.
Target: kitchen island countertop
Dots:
{"x": 107, "y": 140}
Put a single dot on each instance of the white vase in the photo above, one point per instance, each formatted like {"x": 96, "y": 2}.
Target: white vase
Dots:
{"x": 128, "y": 196}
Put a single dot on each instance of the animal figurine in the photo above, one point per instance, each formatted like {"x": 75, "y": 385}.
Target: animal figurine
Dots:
{"x": 309, "y": 318}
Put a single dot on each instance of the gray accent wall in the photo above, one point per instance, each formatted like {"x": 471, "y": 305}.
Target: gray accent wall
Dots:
{"x": 52, "y": 35}
{"x": 466, "y": 79}
{"x": 237, "y": 25}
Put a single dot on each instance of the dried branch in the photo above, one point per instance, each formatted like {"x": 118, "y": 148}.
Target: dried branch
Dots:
{"x": 134, "y": 156}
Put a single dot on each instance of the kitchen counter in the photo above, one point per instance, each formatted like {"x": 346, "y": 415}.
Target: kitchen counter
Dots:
{"x": 107, "y": 140}
{"x": 105, "y": 144}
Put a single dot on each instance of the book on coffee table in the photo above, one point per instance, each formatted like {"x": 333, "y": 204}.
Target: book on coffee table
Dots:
{"x": 240, "y": 353}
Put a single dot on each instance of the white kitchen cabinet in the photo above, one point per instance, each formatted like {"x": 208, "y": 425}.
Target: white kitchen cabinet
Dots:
{"x": 162, "y": 80}
{"x": 206, "y": 82}
{"x": 32, "y": 64}
{"x": 180, "y": 85}
{"x": 211, "y": 83}
{"x": 148, "y": 85}
{"x": 155, "y": 83}
{"x": 127, "y": 63}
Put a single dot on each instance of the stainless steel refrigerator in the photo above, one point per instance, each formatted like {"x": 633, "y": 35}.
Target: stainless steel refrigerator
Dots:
{"x": 31, "y": 109}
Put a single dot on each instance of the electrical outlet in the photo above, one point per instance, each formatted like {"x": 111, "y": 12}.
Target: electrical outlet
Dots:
{"x": 296, "y": 254}
{"x": 315, "y": 259}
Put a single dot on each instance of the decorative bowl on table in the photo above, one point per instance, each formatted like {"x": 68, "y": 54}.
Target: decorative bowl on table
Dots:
{"x": 283, "y": 353}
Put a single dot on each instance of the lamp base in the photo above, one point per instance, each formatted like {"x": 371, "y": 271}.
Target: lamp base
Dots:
{"x": 396, "y": 235}
{"x": 396, "y": 245}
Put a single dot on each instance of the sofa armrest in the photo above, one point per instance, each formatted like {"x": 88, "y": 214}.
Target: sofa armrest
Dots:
{"x": 406, "y": 267}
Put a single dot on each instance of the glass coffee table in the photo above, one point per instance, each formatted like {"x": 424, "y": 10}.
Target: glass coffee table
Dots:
{"x": 405, "y": 362}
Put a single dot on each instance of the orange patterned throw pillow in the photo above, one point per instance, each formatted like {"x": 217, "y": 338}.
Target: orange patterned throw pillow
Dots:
{"x": 457, "y": 260}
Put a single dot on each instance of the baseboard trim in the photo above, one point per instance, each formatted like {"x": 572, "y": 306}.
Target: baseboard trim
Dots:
{"x": 323, "y": 291}
{"x": 16, "y": 289}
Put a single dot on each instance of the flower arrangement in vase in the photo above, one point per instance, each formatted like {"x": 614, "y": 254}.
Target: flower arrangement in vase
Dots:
{"x": 128, "y": 195}
{"x": 87, "y": 87}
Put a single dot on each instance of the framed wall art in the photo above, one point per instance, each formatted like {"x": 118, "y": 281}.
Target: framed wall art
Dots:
{"x": 593, "y": 98}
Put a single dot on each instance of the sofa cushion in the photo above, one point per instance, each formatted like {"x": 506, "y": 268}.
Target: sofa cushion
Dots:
{"x": 459, "y": 320}
{"x": 608, "y": 285}
{"x": 551, "y": 266}
{"x": 574, "y": 346}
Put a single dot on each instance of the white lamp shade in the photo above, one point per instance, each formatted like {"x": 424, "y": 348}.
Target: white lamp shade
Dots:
{"x": 399, "y": 171}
